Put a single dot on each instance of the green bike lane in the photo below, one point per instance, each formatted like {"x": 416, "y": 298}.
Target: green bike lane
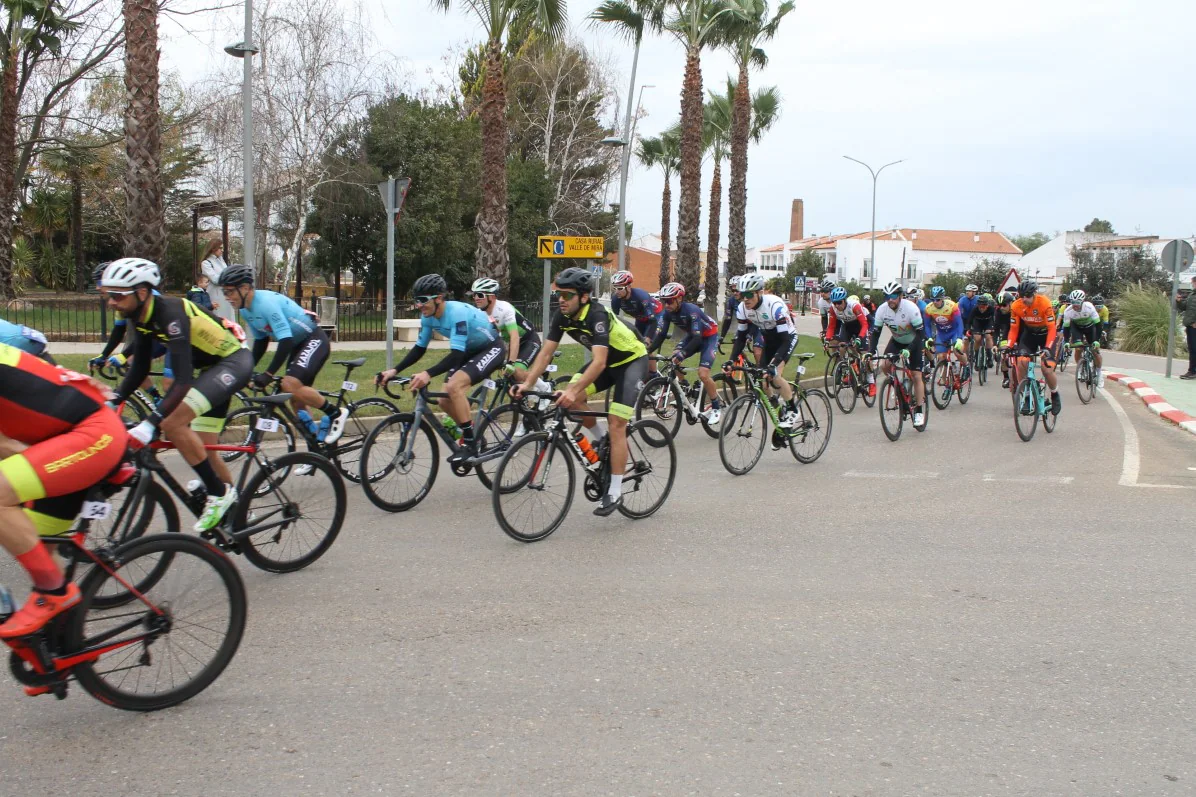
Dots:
{"x": 956, "y": 612}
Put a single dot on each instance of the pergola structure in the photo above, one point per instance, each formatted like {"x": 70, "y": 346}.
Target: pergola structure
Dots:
{"x": 218, "y": 207}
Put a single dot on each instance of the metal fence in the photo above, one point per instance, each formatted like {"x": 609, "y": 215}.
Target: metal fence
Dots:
{"x": 365, "y": 319}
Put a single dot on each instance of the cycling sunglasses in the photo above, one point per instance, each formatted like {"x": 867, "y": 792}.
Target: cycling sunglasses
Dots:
{"x": 566, "y": 296}
{"x": 112, "y": 292}
{"x": 747, "y": 294}
{"x": 425, "y": 299}
{"x": 478, "y": 295}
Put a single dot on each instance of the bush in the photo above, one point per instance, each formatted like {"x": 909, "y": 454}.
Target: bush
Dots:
{"x": 951, "y": 281}
{"x": 1147, "y": 314}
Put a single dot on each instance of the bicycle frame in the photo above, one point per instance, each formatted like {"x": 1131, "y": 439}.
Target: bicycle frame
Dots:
{"x": 1037, "y": 384}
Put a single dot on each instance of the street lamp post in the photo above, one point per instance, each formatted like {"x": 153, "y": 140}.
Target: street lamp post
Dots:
{"x": 876, "y": 174}
{"x": 245, "y": 50}
{"x": 625, "y": 161}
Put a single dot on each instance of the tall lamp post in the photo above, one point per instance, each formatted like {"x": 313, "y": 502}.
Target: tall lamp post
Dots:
{"x": 246, "y": 50}
{"x": 625, "y": 162}
{"x": 876, "y": 174}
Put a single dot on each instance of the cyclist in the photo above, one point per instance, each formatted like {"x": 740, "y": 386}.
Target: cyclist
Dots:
{"x": 119, "y": 329}
{"x": 948, "y": 327}
{"x": 302, "y": 347}
{"x": 869, "y": 307}
{"x": 25, "y": 338}
{"x": 642, "y": 306}
{"x": 1098, "y": 302}
{"x": 193, "y": 409}
{"x": 768, "y": 314}
{"x": 618, "y": 358}
{"x": 848, "y": 324}
{"x": 980, "y": 326}
{"x": 523, "y": 340}
{"x": 1031, "y": 328}
{"x": 1082, "y": 320}
{"x": 729, "y": 308}
{"x": 475, "y": 351}
{"x": 1001, "y": 321}
{"x": 57, "y": 439}
{"x": 824, "y": 303}
{"x": 904, "y": 320}
{"x": 701, "y": 335}
{"x": 967, "y": 302}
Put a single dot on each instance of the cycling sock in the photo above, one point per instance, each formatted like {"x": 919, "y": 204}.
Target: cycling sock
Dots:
{"x": 616, "y": 486}
{"x": 329, "y": 408}
{"x": 209, "y": 478}
{"x": 42, "y": 569}
{"x": 467, "y": 432}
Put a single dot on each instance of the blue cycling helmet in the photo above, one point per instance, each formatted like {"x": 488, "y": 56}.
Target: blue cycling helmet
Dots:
{"x": 938, "y": 292}
{"x": 839, "y": 295}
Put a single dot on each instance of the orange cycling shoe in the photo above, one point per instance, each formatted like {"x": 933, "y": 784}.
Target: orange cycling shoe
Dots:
{"x": 41, "y": 608}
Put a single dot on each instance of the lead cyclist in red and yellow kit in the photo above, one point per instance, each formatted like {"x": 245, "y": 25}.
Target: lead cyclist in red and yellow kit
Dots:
{"x": 57, "y": 440}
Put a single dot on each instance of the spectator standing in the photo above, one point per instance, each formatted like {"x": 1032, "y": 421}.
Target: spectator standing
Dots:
{"x": 1188, "y": 305}
{"x": 212, "y": 266}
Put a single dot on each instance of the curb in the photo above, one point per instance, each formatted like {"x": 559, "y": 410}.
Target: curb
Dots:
{"x": 1155, "y": 402}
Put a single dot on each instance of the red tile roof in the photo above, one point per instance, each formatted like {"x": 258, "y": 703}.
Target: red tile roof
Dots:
{"x": 960, "y": 241}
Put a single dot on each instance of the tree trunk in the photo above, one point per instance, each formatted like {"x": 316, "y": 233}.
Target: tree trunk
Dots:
{"x": 145, "y": 220}
{"x": 712, "y": 237}
{"x": 666, "y": 249}
{"x": 689, "y": 203}
{"x": 82, "y": 277}
{"x": 492, "y": 259}
{"x": 741, "y": 117}
{"x": 8, "y": 157}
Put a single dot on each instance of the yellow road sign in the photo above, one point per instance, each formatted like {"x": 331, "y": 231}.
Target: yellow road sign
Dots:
{"x": 558, "y": 246}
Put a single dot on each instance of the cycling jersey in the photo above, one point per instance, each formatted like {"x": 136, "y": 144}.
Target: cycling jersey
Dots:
{"x": 507, "y": 319}
{"x": 1104, "y": 314}
{"x": 467, "y": 328}
{"x": 824, "y": 311}
{"x": 852, "y": 313}
{"x": 277, "y": 317}
{"x": 1001, "y": 325}
{"x": 905, "y": 323}
{"x": 594, "y": 325}
{"x": 966, "y": 307}
{"x": 770, "y": 317}
{"x": 638, "y": 304}
{"x": 1037, "y": 316}
{"x": 1083, "y": 316}
{"x": 947, "y": 320}
{"x": 728, "y": 314}
{"x": 22, "y": 337}
{"x": 982, "y": 320}
{"x": 689, "y": 317}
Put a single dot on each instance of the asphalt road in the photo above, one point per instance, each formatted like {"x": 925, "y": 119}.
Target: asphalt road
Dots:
{"x": 955, "y": 613}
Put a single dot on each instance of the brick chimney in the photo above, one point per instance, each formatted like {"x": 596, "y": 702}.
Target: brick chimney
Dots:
{"x": 797, "y": 221}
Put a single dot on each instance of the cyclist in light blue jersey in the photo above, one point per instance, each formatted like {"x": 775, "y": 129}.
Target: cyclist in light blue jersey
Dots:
{"x": 24, "y": 338}
{"x": 302, "y": 346}
{"x": 475, "y": 351}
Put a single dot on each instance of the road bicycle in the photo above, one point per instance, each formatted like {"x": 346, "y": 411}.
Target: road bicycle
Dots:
{"x": 1031, "y": 400}
{"x": 279, "y": 524}
{"x": 949, "y": 379}
{"x": 981, "y": 358}
{"x": 159, "y": 619}
{"x": 833, "y": 356}
{"x": 745, "y": 424}
{"x": 849, "y": 381}
{"x": 897, "y": 398}
{"x": 345, "y": 452}
{"x": 1086, "y": 378}
{"x": 670, "y": 397}
{"x": 535, "y": 479}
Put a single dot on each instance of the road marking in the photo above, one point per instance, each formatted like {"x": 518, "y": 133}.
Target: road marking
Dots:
{"x": 917, "y": 474}
{"x": 992, "y": 477}
{"x": 1131, "y": 462}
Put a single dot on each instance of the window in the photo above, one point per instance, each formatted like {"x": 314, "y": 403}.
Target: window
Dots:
{"x": 867, "y": 268}
{"x": 940, "y": 266}
{"x": 959, "y": 265}
{"x": 911, "y": 269}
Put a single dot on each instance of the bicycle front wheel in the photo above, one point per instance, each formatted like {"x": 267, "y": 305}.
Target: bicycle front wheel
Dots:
{"x": 660, "y": 400}
{"x": 399, "y": 462}
{"x": 845, "y": 388}
{"x": 650, "y": 469}
{"x": 533, "y": 487}
{"x": 1085, "y": 383}
{"x": 363, "y": 416}
{"x": 294, "y": 523}
{"x": 173, "y": 640}
{"x": 941, "y": 387}
{"x": 811, "y": 440}
{"x": 965, "y": 388}
{"x": 1025, "y": 409}
{"x": 892, "y": 411}
{"x": 742, "y": 434}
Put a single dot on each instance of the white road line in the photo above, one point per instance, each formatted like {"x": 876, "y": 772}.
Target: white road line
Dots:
{"x": 1131, "y": 462}
{"x": 992, "y": 477}
{"x": 917, "y": 474}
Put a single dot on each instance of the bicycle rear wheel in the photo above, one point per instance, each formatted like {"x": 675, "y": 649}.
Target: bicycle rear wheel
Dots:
{"x": 155, "y": 512}
{"x": 817, "y": 419}
{"x": 363, "y": 416}
{"x": 828, "y": 382}
{"x": 533, "y": 487}
{"x": 496, "y": 431}
{"x": 391, "y": 478}
{"x": 238, "y": 429}
{"x": 965, "y": 388}
{"x": 1085, "y": 383}
{"x": 661, "y": 400}
{"x": 727, "y": 393}
{"x": 296, "y": 521}
{"x": 941, "y": 387}
{"x": 845, "y": 387}
{"x": 1025, "y": 409}
{"x": 650, "y": 470}
{"x": 173, "y": 641}
{"x": 743, "y": 433}
{"x": 892, "y": 414}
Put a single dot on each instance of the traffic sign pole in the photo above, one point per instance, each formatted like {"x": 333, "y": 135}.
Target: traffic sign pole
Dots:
{"x": 389, "y": 201}
{"x": 1178, "y": 251}
{"x": 547, "y": 281}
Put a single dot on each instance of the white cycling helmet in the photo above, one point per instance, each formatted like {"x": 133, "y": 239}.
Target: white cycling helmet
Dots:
{"x": 484, "y": 285}
{"x": 622, "y": 278}
{"x": 892, "y": 288}
{"x": 733, "y": 283}
{"x": 131, "y": 272}
{"x": 971, "y": 287}
{"x": 917, "y": 294}
{"x": 751, "y": 282}
{"x": 1077, "y": 296}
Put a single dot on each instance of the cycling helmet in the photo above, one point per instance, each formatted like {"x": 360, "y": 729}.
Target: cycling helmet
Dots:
{"x": 827, "y": 286}
{"x": 1098, "y": 300}
{"x": 574, "y": 279}
{"x": 892, "y": 288}
{"x": 985, "y": 299}
{"x": 236, "y": 274}
{"x": 429, "y": 285}
{"x": 484, "y": 285}
{"x": 733, "y": 283}
{"x": 839, "y": 295}
{"x": 1027, "y": 288}
{"x": 131, "y": 272}
{"x": 1077, "y": 296}
{"x": 916, "y": 294}
{"x": 938, "y": 292}
{"x": 97, "y": 273}
{"x": 672, "y": 290}
{"x": 751, "y": 283}
{"x": 867, "y": 298}
{"x": 1005, "y": 298}
{"x": 622, "y": 278}
{"x": 971, "y": 286}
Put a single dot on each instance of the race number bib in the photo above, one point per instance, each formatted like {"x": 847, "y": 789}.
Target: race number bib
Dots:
{"x": 267, "y": 424}
{"x": 95, "y": 510}
{"x": 349, "y": 386}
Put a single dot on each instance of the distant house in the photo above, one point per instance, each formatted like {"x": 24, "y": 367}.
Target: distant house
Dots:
{"x": 1051, "y": 263}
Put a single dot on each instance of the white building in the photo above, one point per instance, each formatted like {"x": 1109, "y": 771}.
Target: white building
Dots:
{"x": 1051, "y": 263}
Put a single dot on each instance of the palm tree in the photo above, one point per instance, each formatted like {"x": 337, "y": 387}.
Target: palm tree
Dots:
{"x": 145, "y": 216}
{"x": 663, "y": 152}
{"x": 716, "y": 134}
{"x": 752, "y": 27}
{"x": 697, "y": 24}
{"x": 491, "y": 258}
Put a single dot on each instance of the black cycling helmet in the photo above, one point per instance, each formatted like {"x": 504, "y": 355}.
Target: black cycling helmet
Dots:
{"x": 236, "y": 274}
{"x": 429, "y": 285}
{"x": 1027, "y": 288}
{"x": 97, "y": 273}
{"x": 1098, "y": 300}
{"x": 574, "y": 279}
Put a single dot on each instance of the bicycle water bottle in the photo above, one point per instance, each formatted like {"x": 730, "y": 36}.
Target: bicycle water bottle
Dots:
{"x": 306, "y": 419}
{"x": 7, "y": 607}
{"x": 587, "y": 450}
{"x": 451, "y": 427}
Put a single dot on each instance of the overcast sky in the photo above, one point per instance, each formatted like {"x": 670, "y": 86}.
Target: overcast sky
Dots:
{"x": 1028, "y": 114}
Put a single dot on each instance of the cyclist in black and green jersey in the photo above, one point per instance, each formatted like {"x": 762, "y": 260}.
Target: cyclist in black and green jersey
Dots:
{"x": 618, "y": 359}
{"x": 193, "y": 409}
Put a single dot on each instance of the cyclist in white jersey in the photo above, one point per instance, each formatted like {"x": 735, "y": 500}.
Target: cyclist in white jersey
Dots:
{"x": 770, "y": 315}
{"x": 904, "y": 320}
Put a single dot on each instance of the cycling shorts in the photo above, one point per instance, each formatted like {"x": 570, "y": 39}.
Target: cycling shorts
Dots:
{"x": 482, "y": 364}
{"x": 944, "y": 342}
{"x": 308, "y": 357}
{"x": 1030, "y": 340}
{"x": 758, "y": 340}
{"x": 772, "y": 346}
{"x": 529, "y": 347}
{"x": 847, "y": 330}
{"x": 626, "y": 379}
{"x": 981, "y": 326}
{"x": 1090, "y": 334}
{"x": 708, "y": 346}
{"x": 214, "y": 388}
{"x": 56, "y": 474}
{"x": 915, "y": 351}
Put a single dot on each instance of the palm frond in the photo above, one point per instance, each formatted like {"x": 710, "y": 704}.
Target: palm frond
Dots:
{"x": 766, "y": 110}
{"x": 625, "y": 20}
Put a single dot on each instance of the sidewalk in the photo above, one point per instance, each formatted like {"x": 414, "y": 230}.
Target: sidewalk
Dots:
{"x": 1172, "y": 399}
